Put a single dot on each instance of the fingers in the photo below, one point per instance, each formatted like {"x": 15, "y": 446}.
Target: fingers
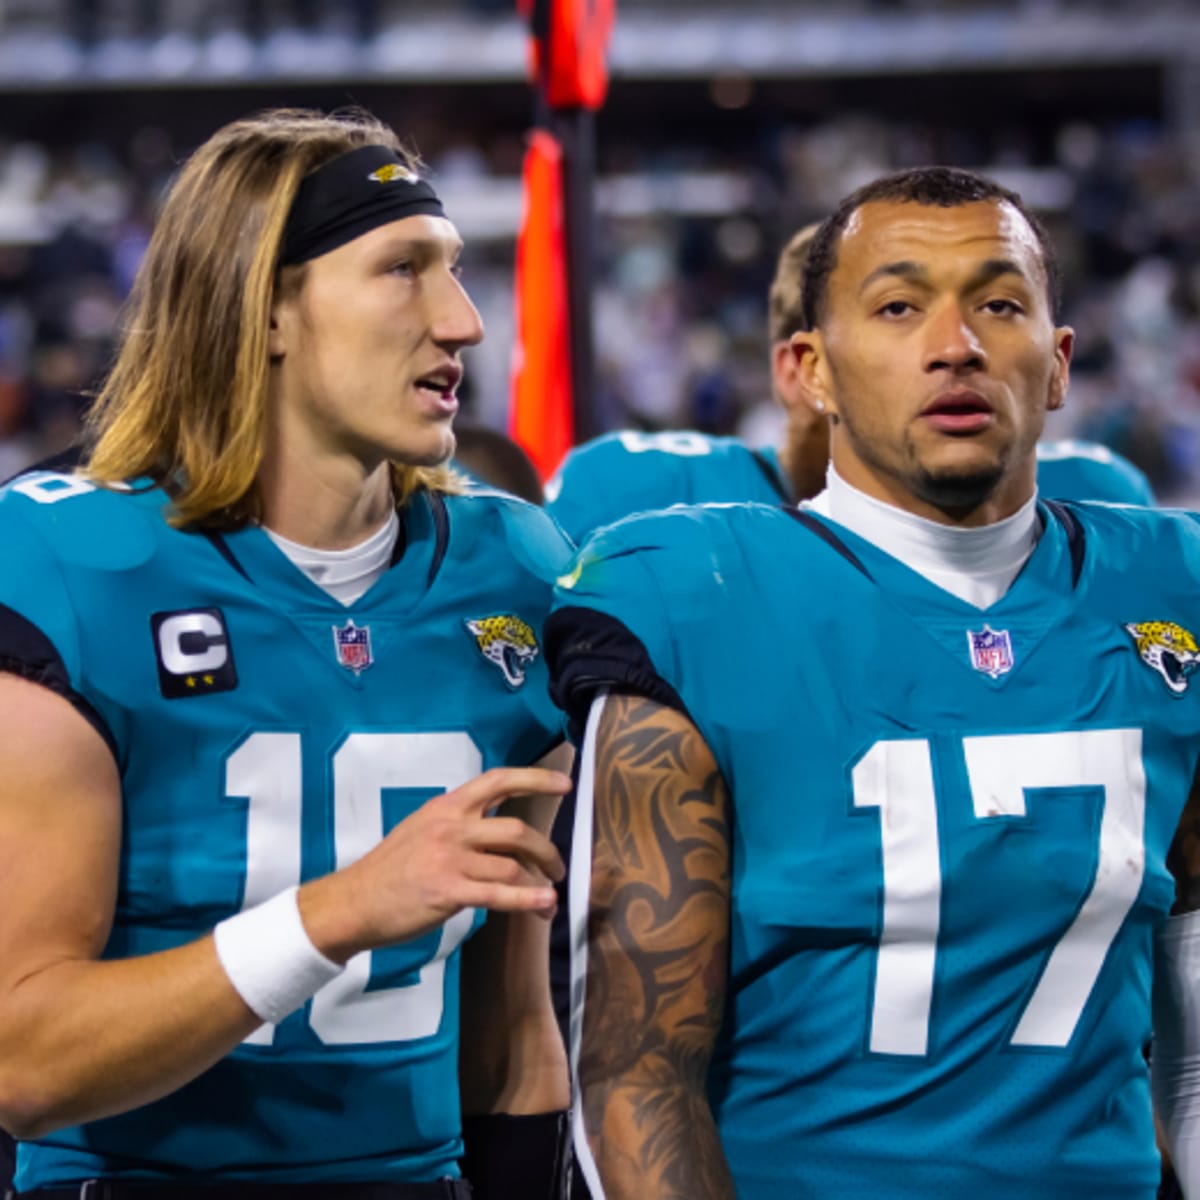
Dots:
{"x": 512, "y": 837}
{"x": 498, "y": 882}
{"x": 503, "y": 897}
{"x": 506, "y": 869}
{"x": 501, "y": 783}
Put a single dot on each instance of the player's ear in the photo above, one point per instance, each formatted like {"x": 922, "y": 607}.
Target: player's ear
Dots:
{"x": 806, "y": 351}
{"x": 785, "y": 373}
{"x": 277, "y": 340}
{"x": 1064, "y": 345}
{"x": 284, "y": 315}
{"x": 275, "y": 345}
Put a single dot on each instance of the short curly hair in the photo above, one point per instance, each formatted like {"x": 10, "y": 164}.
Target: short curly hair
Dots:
{"x": 945, "y": 187}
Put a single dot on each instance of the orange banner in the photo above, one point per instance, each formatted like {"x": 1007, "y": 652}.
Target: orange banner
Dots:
{"x": 540, "y": 415}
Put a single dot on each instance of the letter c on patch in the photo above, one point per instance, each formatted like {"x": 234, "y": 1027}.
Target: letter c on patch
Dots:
{"x": 190, "y": 642}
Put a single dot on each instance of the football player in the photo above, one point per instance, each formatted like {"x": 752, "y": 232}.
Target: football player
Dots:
{"x": 626, "y": 472}
{"x": 621, "y": 473}
{"x": 1074, "y": 469}
{"x": 885, "y": 799}
{"x": 268, "y": 673}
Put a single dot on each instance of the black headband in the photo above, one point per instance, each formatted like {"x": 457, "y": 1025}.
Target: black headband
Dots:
{"x": 350, "y": 196}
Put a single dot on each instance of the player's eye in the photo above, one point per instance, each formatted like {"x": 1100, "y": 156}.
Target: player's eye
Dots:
{"x": 1003, "y": 307}
{"x": 895, "y": 308}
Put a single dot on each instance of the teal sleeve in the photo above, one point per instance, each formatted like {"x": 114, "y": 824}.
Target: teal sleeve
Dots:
{"x": 32, "y": 588}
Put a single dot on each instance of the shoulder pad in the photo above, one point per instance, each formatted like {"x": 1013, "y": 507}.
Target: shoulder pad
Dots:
{"x": 83, "y": 523}
{"x": 534, "y": 539}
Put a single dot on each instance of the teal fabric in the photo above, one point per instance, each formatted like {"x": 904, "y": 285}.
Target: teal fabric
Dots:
{"x": 1078, "y": 470}
{"x": 623, "y": 473}
{"x": 949, "y": 836}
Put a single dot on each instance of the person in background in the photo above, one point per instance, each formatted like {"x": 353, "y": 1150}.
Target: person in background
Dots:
{"x": 625, "y": 472}
{"x": 1073, "y": 469}
{"x": 628, "y": 471}
{"x": 495, "y": 459}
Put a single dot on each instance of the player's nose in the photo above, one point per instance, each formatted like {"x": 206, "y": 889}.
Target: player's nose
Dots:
{"x": 454, "y": 319}
{"x": 952, "y": 343}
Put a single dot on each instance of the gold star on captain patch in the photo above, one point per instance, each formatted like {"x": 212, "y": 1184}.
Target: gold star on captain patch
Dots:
{"x": 191, "y": 681}
{"x": 209, "y": 680}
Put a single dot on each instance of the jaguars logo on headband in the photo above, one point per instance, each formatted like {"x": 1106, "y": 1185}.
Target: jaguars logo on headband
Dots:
{"x": 1168, "y": 649}
{"x": 508, "y": 642}
{"x": 393, "y": 171}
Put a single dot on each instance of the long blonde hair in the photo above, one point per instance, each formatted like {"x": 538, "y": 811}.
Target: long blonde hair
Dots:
{"x": 186, "y": 401}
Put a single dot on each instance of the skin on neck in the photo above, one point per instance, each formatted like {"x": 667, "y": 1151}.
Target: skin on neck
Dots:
{"x": 804, "y": 455}
{"x": 327, "y": 501}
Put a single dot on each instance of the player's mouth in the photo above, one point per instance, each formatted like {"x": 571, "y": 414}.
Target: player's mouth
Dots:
{"x": 440, "y": 386}
{"x": 960, "y": 411}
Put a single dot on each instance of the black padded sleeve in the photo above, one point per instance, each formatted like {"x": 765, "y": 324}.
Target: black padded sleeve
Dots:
{"x": 510, "y": 1157}
{"x": 26, "y": 651}
{"x": 589, "y": 651}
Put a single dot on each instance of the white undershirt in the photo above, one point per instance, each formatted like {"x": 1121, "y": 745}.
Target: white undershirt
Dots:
{"x": 976, "y": 565}
{"x": 344, "y": 574}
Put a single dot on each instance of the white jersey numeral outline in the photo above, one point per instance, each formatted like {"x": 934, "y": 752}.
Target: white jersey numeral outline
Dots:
{"x": 49, "y": 487}
{"x": 685, "y": 443}
{"x": 896, "y": 777}
{"x": 266, "y": 772}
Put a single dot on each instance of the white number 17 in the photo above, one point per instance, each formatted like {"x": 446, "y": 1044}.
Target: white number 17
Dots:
{"x": 897, "y": 778}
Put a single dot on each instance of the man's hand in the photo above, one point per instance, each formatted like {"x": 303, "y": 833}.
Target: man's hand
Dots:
{"x": 446, "y": 856}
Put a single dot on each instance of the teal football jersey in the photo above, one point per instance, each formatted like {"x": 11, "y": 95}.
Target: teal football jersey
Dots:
{"x": 623, "y": 473}
{"x": 266, "y": 734}
{"x": 1077, "y": 470}
{"x": 949, "y": 832}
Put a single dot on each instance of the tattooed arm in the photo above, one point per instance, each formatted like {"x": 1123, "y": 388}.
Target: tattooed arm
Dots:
{"x": 658, "y": 949}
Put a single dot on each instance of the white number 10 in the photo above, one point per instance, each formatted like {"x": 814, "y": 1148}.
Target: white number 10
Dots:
{"x": 266, "y": 770}
{"x": 897, "y": 778}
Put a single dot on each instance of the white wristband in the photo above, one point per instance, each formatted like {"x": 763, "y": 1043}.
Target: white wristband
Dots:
{"x": 270, "y": 959}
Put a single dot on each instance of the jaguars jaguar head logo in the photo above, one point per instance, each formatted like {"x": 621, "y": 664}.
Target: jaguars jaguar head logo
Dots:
{"x": 392, "y": 171}
{"x": 508, "y": 642}
{"x": 1168, "y": 649}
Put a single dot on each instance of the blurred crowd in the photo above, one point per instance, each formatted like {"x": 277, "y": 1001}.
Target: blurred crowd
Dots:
{"x": 88, "y": 20}
{"x": 679, "y": 298}
{"x": 681, "y": 307}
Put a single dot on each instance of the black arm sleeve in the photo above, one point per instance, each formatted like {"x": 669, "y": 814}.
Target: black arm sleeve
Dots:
{"x": 517, "y": 1157}
{"x": 589, "y": 651}
{"x": 26, "y": 651}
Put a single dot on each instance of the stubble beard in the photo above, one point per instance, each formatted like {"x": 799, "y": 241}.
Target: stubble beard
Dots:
{"x": 955, "y": 491}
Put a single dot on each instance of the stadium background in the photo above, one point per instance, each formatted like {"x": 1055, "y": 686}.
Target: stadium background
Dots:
{"x": 727, "y": 126}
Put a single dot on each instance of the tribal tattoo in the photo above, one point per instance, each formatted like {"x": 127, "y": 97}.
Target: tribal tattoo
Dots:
{"x": 658, "y": 946}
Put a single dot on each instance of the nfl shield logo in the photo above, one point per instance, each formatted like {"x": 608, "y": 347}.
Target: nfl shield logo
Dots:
{"x": 353, "y": 645}
{"x": 991, "y": 651}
